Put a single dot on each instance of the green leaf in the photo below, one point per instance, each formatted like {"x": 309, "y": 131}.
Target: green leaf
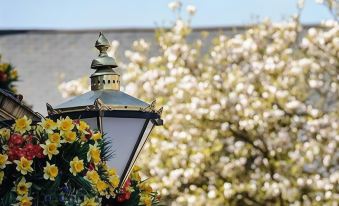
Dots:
{"x": 8, "y": 199}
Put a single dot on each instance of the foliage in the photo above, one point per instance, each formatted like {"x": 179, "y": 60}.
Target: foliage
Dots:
{"x": 62, "y": 163}
{"x": 8, "y": 75}
{"x": 253, "y": 121}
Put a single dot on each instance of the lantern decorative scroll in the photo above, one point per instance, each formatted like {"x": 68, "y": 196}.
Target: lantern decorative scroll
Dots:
{"x": 126, "y": 120}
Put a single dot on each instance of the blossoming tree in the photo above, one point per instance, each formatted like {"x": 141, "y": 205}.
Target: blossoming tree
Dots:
{"x": 254, "y": 121}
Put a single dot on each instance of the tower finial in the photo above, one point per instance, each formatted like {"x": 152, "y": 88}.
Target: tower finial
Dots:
{"x": 103, "y": 61}
{"x": 104, "y": 77}
{"x": 102, "y": 42}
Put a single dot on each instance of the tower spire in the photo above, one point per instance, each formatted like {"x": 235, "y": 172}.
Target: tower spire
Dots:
{"x": 105, "y": 77}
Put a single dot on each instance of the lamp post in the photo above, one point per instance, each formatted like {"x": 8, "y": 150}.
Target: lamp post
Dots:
{"x": 126, "y": 120}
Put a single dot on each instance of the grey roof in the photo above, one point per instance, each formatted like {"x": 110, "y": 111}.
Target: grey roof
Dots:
{"x": 41, "y": 56}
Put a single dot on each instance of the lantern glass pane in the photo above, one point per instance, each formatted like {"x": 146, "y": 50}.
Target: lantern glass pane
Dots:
{"x": 143, "y": 139}
{"x": 148, "y": 130}
{"x": 124, "y": 134}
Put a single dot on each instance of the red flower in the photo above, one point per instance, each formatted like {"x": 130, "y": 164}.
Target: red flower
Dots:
{"x": 125, "y": 195}
{"x": 12, "y": 153}
{"x": 38, "y": 151}
{"x": 16, "y": 139}
{"x": 76, "y": 121}
{"x": 29, "y": 139}
{"x": 31, "y": 151}
{"x": 120, "y": 198}
{"x": 91, "y": 166}
{"x": 29, "y": 156}
{"x": 29, "y": 147}
{"x": 20, "y": 153}
{"x": 127, "y": 183}
{"x": 89, "y": 135}
{"x": 3, "y": 77}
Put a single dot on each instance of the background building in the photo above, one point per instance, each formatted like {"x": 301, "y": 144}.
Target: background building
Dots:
{"x": 44, "y": 58}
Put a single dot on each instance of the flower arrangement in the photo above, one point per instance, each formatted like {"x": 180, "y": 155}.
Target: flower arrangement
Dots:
{"x": 63, "y": 162}
{"x": 8, "y": 75}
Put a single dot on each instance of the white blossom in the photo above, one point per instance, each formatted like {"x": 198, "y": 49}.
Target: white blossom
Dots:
{"x": 191, "y": 10}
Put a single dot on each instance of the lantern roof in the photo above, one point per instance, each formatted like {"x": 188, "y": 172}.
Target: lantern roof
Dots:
{"x": 112, "y": 98}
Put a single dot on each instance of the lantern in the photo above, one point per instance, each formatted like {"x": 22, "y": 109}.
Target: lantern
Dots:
{"x": 125, "y": 120}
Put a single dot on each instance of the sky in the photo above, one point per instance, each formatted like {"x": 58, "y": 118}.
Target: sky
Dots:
{"x": 106, "y": 14}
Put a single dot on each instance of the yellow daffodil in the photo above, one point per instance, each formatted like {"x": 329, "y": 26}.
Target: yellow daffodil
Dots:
{"x": 4, "y": 67}
{"x": 93, "y": 176}
{"x": 93, "y": 154}
{"x": 89, "y": 202}
{"x": 77, "y": 166}
{"x": 2, "y": 175}
{"x": 3, "y": 161}
{"x": 13, "y": 74}
{"x": 24, "y": 201}
{"x": 135, "y": 173}
{"x": 65, "y": 124}
{"x": 105, "y": 167}
{"x": 96, "y": 136}
{"x": 69, "y": 136}
{"x": 146, "y": 199}
{"x": 135, "y": 176}
{"x": 54, "y": 138}
{"x": 5, "y": 133}
{"x": 22, "y": 187}
{"x": 22, "y": 125}
{"x": 136, "y": 168}
{"x": 112, "y": 192}
{"x": 50, "y": 171}
{"x": 112, "y": 172}
{"x": 48, "y": 125}
{"x": 113, "y": 177}
{"x": 114, "y": 181}
{"x": 82, "y": 127}
{"x": 145, "y": 187}
{"x": 101, "y": 187}
{"x": 24, "y": 165}
{"x": 83, "y": 137}
{"x": 50, "y": 149}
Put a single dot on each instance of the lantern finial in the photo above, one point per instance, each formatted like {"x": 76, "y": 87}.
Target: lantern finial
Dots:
{"x": 105, "y": 77}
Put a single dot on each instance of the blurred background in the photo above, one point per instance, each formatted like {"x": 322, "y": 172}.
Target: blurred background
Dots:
{"x": 249, "y": 88}
{"x": 49, "y": 40}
